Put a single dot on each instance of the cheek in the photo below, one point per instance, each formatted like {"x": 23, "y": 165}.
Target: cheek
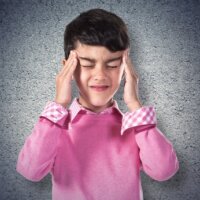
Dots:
{"x": 117, "y": 77}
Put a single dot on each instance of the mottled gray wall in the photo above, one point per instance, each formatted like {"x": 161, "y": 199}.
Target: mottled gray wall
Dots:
{"x": 166, "y": 52}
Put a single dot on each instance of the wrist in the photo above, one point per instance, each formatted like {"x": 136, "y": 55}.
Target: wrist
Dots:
{"x": 133, "y": 106}
{"x": 61, "y": 103}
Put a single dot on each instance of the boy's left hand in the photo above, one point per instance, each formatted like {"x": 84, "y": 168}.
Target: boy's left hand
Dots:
{"x": 131, "y": 97}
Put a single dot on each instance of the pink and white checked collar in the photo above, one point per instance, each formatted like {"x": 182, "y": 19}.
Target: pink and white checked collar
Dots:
{"x": 76, "y": 107}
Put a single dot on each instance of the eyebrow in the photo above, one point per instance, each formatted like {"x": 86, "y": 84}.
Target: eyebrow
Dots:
{"x": 93, "y": 60}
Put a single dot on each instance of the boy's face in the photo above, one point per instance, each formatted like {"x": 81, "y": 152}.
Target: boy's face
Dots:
{"x": 98, "y": 75}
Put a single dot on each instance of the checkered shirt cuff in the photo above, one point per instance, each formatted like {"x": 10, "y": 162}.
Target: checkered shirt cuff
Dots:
{"x": 143, "y": 116}
{"x": 55, "y": 113}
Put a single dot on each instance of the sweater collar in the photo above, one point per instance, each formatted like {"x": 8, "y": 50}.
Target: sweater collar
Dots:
{"x": 76, "y": 107}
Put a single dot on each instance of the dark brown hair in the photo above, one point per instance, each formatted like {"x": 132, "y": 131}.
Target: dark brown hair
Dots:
{"x": 96, "y": 27}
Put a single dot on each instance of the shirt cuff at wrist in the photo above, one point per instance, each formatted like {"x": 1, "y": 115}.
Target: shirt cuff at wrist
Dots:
{"x": 55, "y": 113}
{"x": 143, "y": 116}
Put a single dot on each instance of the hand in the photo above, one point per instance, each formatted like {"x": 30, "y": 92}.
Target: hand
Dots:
{"x": 131, "y": 97}
{"x": 64, "y": 78}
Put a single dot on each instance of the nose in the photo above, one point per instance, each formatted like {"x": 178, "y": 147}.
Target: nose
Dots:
{"x": 100, "y": 73}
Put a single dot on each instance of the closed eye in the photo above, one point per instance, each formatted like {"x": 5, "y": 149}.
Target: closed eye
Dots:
{"x": 88, "y": 66}
{"x": 112, "y": 66}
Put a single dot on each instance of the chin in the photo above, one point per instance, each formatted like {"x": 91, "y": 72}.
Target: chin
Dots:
{"x": 98, "y": 102}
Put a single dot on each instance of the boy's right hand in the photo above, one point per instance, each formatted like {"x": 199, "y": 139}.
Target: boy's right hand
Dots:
{"x": 64, "y": 78}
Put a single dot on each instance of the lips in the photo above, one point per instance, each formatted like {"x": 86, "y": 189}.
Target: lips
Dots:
{"x": 99, "y": 88}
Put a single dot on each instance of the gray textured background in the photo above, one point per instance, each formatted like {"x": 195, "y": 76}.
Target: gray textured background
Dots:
{"x": 165, "y": 38}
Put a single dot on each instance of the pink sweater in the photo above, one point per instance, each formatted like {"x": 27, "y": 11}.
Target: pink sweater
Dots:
{"x": 96, "y": 156}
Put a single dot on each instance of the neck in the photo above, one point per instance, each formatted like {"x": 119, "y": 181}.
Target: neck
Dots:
{"x": 93, "y": 108}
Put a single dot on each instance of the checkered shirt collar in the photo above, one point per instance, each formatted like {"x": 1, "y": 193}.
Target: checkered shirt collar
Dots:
{"x": 76, "y": 107}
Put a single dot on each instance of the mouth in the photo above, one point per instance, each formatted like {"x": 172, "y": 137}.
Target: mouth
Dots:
{"x": 99, "y": 88}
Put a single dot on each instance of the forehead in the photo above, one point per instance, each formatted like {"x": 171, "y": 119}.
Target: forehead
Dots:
{"x": 98, "y": 53}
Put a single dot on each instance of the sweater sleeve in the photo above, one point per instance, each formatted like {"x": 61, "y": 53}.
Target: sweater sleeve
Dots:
{"x": 37, "y": 155}
{"x": 157, "y": 156}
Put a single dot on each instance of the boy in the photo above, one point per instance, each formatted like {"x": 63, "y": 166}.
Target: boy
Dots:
{"x": 92, "y": 150}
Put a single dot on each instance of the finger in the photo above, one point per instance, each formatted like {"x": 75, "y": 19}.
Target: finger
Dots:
{"x": 67, "y": 65}
{"x": 72, "y": 65}
{"x": 133, "y": 70}
{"x": 126, "y": 62}
{"x": 70, "y": 58}
{"x": 130, "y": 63}
{"x": 129, "y": 68}
{"x": 72, "y": 68}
